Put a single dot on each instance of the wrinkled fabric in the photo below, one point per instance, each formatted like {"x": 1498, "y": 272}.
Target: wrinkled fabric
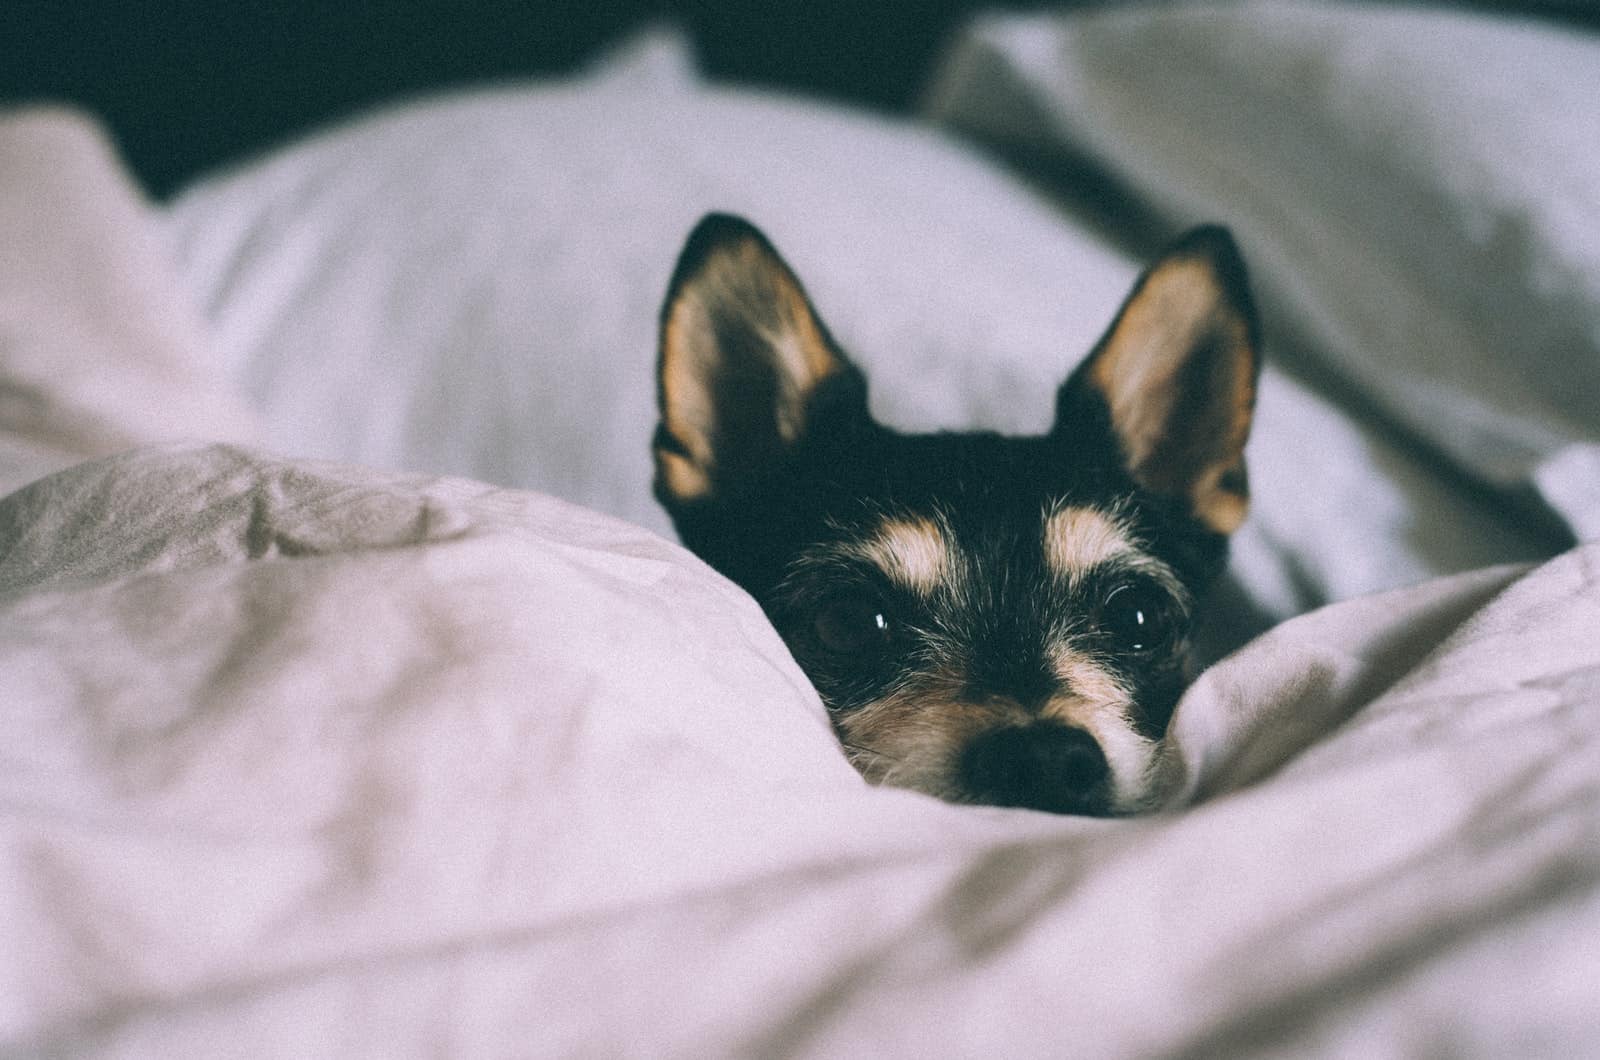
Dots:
{"x": 306, "y": 759}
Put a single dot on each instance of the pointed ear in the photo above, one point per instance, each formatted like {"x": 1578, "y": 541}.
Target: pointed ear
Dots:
{"x": 1176, "y": 374}
{"x": 743, "y": 356}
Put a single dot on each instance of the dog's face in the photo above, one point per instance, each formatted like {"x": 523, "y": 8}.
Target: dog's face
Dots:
{"x": 988, "y": 619}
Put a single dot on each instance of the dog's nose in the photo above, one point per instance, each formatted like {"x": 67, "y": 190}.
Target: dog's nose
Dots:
{"x": 1043, "y": 766}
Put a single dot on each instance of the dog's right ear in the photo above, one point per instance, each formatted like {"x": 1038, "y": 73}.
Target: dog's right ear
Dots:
{"x": 743, "y": 356}
{"x": 1175, "y": 378}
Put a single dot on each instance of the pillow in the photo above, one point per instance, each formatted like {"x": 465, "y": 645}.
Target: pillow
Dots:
{"x": 1416, "y": 189}
{"x": 470, "y": 285}
{"x": 99, "y": 348}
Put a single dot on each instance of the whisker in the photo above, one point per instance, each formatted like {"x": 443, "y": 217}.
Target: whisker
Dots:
{"x": 863, "y": 749}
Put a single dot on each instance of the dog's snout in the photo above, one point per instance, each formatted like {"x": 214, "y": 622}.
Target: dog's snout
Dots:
{"x": 1043, "y": 766}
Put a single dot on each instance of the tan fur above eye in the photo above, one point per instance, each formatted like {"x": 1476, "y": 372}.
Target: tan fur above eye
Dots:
{"x": 1076, "y": 540}
{"x": 912, "y": 553}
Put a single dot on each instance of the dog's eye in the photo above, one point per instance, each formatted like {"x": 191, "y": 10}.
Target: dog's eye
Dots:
{"x": 1133, "y": 617}
{"x": 852, "y": 624}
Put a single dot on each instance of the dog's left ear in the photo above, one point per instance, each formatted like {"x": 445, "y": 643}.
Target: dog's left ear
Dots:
{"x": 1176, "y": 374}
{"x": 744, "y": 360}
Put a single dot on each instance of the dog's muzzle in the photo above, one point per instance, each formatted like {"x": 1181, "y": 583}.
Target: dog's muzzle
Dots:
{"x": 1042, "y": 766}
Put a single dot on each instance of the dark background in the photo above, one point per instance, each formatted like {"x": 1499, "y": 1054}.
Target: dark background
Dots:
{"x": 186, "y": 86}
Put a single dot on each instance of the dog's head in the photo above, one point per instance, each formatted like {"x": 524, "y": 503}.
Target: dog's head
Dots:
{"x": 988, "y": 619}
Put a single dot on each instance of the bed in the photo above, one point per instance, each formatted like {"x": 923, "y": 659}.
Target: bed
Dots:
{"x": 358, "y": 702}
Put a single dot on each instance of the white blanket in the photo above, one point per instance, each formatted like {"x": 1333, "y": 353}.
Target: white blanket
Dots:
{"x": 308, "y": 760}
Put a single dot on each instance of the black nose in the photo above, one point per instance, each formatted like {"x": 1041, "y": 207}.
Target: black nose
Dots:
{"x": 1044, "y": 766}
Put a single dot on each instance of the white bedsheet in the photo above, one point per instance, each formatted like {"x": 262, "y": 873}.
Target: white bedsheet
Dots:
{"x": 307, "y": 760}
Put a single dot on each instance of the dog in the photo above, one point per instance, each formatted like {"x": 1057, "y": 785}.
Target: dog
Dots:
{"x": 988, "y": 619}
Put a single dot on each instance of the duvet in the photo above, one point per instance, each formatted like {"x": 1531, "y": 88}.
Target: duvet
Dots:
{"x": 312, "y": 760}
